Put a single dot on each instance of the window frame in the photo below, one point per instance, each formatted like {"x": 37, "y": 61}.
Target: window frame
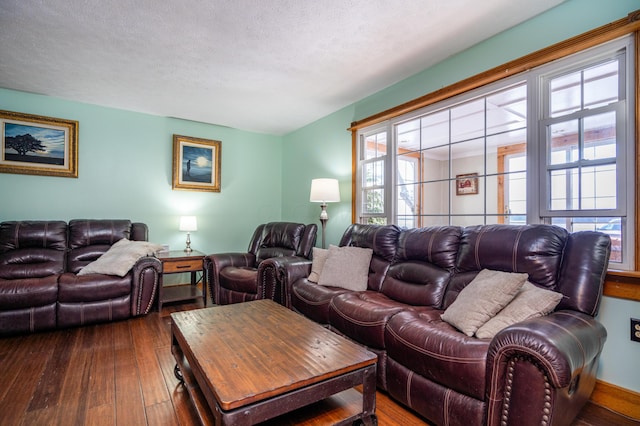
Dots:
{"x": 625, "y": 26}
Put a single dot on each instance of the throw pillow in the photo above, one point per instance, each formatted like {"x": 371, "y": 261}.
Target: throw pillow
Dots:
{"x": 530, "y": 302}
{"x": 319, "y": 258}
{"x": 346, "y": 267}
{"x": 482, "y": 298}
{"x": 120, "y": 258}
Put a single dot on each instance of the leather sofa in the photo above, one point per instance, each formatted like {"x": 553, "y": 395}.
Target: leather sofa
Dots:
{"x": 539, "y": 371}
{"x": 39, "y": 285}
{"x": 241, "y": 277}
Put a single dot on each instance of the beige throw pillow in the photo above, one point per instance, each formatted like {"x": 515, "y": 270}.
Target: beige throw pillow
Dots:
{"x": 482, "y": 298}
{"x": 530, "y": 302}
{"x": 120, "y": 258}
{"x": 319, "y": 258}
{"x": 346, "y": 267}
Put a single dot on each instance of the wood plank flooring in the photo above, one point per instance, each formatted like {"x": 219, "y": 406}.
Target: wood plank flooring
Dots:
{"x": 122, "y": 374}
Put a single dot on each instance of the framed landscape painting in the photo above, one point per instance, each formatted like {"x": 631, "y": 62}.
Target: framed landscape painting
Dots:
{"x": 196, "y": 164}
{"x": 37, "y": 145}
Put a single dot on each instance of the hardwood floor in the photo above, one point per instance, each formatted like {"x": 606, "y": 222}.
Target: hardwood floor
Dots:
{"x": 122, "y": 374}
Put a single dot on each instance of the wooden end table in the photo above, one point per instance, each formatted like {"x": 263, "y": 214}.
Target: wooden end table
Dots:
{"x": 249, "y": 362}
{"x": 179, "y": 261}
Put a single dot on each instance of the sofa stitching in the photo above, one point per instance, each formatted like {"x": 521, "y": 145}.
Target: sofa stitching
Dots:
{"x": 514, "y": 253}
{"x": 355, "y": 321}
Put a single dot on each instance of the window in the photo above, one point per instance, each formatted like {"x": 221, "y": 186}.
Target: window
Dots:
{"x": 551, "y": 145}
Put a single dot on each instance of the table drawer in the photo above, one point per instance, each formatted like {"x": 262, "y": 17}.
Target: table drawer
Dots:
{"x": 182, "y": 266}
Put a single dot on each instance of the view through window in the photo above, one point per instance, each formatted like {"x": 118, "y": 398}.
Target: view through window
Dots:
{"x": 548, "y": 146}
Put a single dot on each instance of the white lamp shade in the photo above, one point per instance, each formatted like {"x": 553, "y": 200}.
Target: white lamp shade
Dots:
{"x": 324, "y": 191}
{"x": 188, "y": 223}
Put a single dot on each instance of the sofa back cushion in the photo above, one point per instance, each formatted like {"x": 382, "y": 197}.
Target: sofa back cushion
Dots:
{"x": 382, "y": 239}
{"x": 91, "y": 238}
{"x": 32, "y": 249}
{"x": 276, "y": 239}
{"x": 424, "y": 262}
{"x": 574, "y": 264}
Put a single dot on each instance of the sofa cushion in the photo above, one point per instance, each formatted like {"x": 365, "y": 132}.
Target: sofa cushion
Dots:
{"x": 319, "y": 258}
{"x": 482, "y": 298}
{"x": 28, "y": 293}
{"x": 239, "y": 278}
{"x": 431, "y": 348}
{"x": 530, "y": 302}
{"x": 120, "y": 258}
{"x": 362, "y": 316}
{"x": 346, "y": 267}
{"x": 74, "y": 288}
{"x": 312, "y": 300}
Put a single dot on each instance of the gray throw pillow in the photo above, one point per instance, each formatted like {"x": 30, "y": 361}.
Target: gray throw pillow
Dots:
{"x": 482, "y": 298}
{"x": 319, "y": 258}
{"x": 530, "y": 302}
{"x": 346, "y": 267}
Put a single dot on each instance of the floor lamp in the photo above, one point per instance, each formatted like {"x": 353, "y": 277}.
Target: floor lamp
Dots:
{"x": 324, "y": 191}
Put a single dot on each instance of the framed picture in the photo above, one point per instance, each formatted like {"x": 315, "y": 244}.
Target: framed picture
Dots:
{"x": 196, "y": 164}
{"x": 37, "y": 145}
{"x": 467, "y": 184}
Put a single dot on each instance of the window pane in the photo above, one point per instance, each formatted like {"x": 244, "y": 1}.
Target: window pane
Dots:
{"x": 435, "y": 129}
{"x": 598, "y": 187}
{"x": 468, "y": 204}
{"x": 564, "y": 142}
{"x": 600, "y": 136}
{"x": 601, "y": 85}
{"x": 507, "y": 110}
{"x": 375, "y": 145}
{"x": 436, "y": 196}
{"x": 407, "y": 200}
{"x": 374, "y": 220}
{"x": 562, "y": 184}
{"x": 373, "y": 174}
{"x": 566, "y": 94}
{"x": 507, "y": 152}
{"x": 408, "y": 136}
{"x": 373, "y": 201}
{"x": 467, "y": 157}
{"x": 467, "y": 121}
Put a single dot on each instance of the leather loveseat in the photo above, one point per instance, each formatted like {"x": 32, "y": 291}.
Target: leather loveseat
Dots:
{"x": 539, "y": 371}
{"x": 40, "y": 287}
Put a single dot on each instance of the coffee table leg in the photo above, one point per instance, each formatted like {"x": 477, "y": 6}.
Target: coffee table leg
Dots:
{"x": 178, "y": 374}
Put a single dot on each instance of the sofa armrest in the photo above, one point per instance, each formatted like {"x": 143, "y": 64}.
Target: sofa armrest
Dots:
{"x": 289, "y": 269}
{"x": 544, "y": 368}
{"x": 145, "y": 279}
{"x": 214, "y": 263}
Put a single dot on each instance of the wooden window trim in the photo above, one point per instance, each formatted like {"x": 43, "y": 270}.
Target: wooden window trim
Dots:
{"x": 622, "y": 284}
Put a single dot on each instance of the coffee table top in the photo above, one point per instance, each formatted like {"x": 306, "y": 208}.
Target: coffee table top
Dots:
{"x": 252, "y": 351}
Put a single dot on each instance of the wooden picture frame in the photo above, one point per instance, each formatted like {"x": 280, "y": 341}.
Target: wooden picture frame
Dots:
{"x": 467, "y": 184}
{"x": 196, "y": 164}
{"x": 38, "y": 145}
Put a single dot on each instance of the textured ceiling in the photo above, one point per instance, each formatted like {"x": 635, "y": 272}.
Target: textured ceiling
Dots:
{"x": 269, "y": 66}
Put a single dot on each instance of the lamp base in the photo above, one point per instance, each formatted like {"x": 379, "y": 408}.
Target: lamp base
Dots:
{"x": 188, "y": 249}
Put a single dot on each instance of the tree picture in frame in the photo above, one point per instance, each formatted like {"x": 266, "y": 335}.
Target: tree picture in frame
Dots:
{"x": 196, "y": 164}
{"x": 38, "y": 145}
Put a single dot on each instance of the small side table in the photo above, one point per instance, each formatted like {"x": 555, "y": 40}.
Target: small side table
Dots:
{"x": 175, "y": 262}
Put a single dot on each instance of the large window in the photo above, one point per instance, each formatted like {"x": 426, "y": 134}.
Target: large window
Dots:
{"x": 551, "y": 145}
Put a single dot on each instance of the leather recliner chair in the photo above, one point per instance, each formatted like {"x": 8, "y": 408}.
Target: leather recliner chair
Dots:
{"x": 240, "y": 277}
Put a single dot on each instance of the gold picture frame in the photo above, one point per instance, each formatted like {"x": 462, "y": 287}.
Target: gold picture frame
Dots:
{"x": 38, "y": 145}
{"x": 467, "y": 184}
{"x": 196, "y": 164}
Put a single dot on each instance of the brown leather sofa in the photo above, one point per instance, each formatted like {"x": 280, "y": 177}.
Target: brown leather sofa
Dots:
{"x": 39, "y": 288}
{"x": 540, "y": 371}
{"x": 240, "y": 277}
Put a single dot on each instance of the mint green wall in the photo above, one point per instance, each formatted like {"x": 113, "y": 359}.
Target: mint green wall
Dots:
{"x": 323, "y": 148}
{"x": 125, "y": 171}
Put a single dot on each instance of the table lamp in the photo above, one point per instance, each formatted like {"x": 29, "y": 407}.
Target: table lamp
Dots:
{"x": 324, "y": 191}
{"x": 188, "y": 224}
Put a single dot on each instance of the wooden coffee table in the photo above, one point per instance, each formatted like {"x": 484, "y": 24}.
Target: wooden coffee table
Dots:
{"x": 249, "y": 362}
